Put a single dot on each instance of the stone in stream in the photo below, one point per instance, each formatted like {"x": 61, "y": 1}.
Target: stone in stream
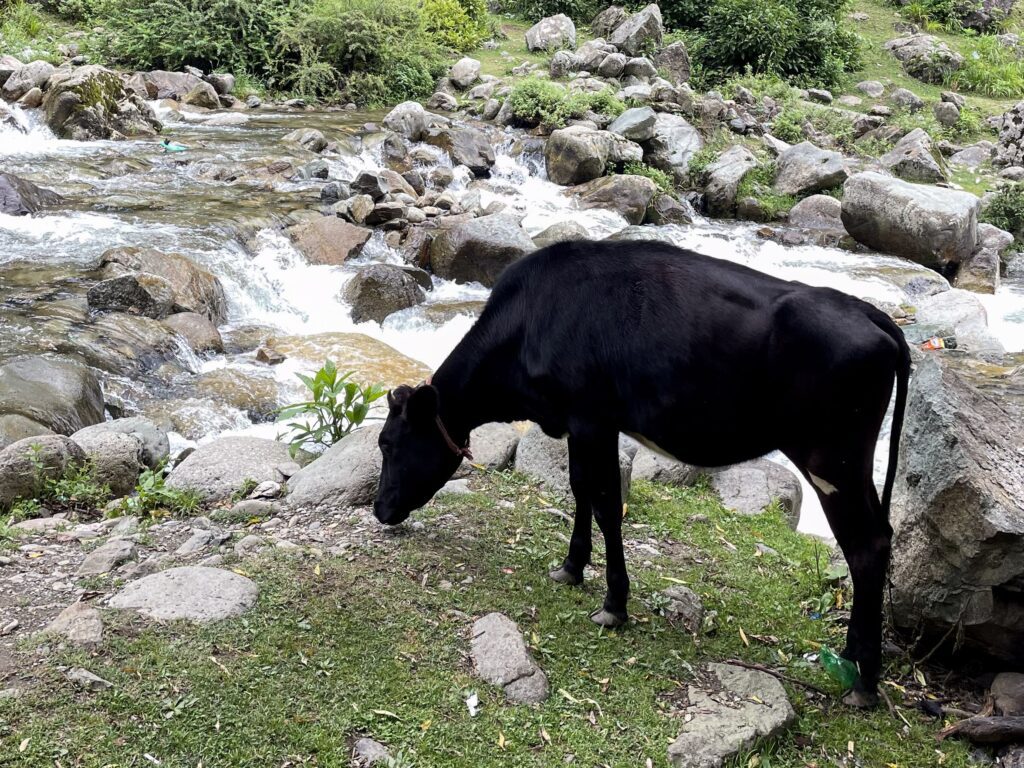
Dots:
{"x": 372, "y": 360}
{"x": 89, "y": 103}
{"x": 20, "y": 81}
{"x": 749, "y": 487}
{"x": 465, "y": 145}
{"x": 329, "y": 240}
{"x": 817, "y": 212}
{"x": 79, "y": 623}
{"x": 804, "y": 169}
{"x": 666, "y": 209}
{"x": 24, "y": 465}
{"x": 379, "y": 290}
{"x": 730, "y": 709}
{"x": 961, "y": 314}
{"x": 561, "y": 231}
{"x": 117, "y": 458}
{"x": 199, "y": 333}
{"x": 478, "y": 250}
{"x": 577, "y": 154}
{"x": 194, "y": 593}
{"x": 724, "y": 177}
{"x": 979, "y": 273}
{"x": 626, "y": 194}
{"x": 19, "y": 197}
{"x": 155, "y": 445}
{"x": 345, "y": 475}
{"x": 202, "y": 95}
{"x": 408, "y": 119}
{"x": 106, "y": 557}
{"x": 501, "y": 658}
{"x": 546, "y": 459}
{"x": 958, "y": 508}
{"x": 139, "y": 294}
{"x": 15, "y": 427}
{"x": 551, "y": 33}
{"x": 219, "y": 468}
{"x": 223, "y": 83}
{"x": 675, "y": 142}
{"x": 307, "y": 138}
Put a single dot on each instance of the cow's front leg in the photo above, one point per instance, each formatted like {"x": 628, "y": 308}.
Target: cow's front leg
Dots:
{"x": 580, "y": 544}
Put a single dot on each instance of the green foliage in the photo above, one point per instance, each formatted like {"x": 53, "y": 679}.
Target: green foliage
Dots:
{"x": 337, "y": 406}
{"x": 247, "y": 487}
{"x": 789, "y": 124}
{"x": 450, "y": 24}
{"x": 20, "y": 25}
{"x": 76, "y": 489}
{"x": 536, "y": 101}
{"x": 932, "y": 14}
{"x": 152, "y": 497}
{"x": 757, "y": 183}
{"x": 658, "y": 176}
{"x": 990, "y": 68}
{"x": 533, "y": 10}
{"x": 761, "y": 85}
{"x": 1005, "y": 209}
{"x": 72, "y": 10}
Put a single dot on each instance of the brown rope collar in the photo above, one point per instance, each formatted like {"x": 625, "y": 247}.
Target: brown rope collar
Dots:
{"x": 458, "y": 450}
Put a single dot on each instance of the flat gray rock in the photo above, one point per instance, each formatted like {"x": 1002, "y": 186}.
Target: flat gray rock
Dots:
{"x": 194, "y": 593}
{"x": 107, "y": 557}
{"x": 732, "y": 708}
{"x": 369, "y": 752}
{"x": 220, "y": 468}
{"x": 79, "y": 623}
{"x": 501, "y": 658}
{"x": 749, "y": 487}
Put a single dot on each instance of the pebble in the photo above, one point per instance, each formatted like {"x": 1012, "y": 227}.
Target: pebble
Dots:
{"x": 86, "y": 680}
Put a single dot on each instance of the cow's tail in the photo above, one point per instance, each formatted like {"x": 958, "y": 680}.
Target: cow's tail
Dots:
{"x": 902, "y": 384}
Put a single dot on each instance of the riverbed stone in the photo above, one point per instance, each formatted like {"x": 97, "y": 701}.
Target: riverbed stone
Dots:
{"x": 979, "y": 272}
{"x": 307, "y": 138}
{"x": 219, "y": 468}
{"x": 464, "y": 72}
{"x": 465, "y": 145}
{"x": 817, "y": 212}
{"x": 578, "y": 154}
{"x": 380, "y": 290}
{"x": 155, "y": 444}
{"x": 913, "y": 158}
{"x": 501, "y": 658}
{"x": 202, "y": 95}
{"x": 749, "y": 487}
{"x": 723, "y": 179}
{"x": 675, "y": 141}
{"x": 958, "y": 508}
{"x": 958, "y": 313}
{"x": 561, "y": 231}
{"x": 408, "y": 119}
{"x": 20, "y": 197}
{"x": 195, "y": 593}
{"x": 117, "y": 458}
{"x": 478, "y": 250}
{"x": 329, "y": 240}
{"x": 370, "y": 359}
{"x": 345, "y": 475}
{"x": 80, "y": 624}
{"x": 804, "y": 169}
{"x": 35, "y": 74}
{"x": 933, "y": 226}
{"x": 15, "y": 427}
{"x": 666, "y": 209}
{"x": 626, "y": 194}
{"x": 729, "y": 708}
{"x": 546, "y": 460}
{"x": 24, "y": 465}
{"x": 106, "y": 557}
{"x": 90, "y": 102}
{"x": 199, "y": 333}
{"x": 139, "y": 293}
{"x": 640, "y": 32}
{"x": 551, "y": 33}
{"x": 59, "y": 394}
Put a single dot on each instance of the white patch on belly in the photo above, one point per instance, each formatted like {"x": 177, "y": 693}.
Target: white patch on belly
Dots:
{"x": 648, "y": 444}
{"x": 823, "y": 485}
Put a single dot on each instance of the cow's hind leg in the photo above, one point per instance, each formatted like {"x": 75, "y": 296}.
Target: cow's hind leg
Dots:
{"x": 580, "y": 545}
{"x": 855, "y": 514}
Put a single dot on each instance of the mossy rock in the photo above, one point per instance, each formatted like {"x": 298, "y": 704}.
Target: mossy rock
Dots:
{"x": 91, "y": 103}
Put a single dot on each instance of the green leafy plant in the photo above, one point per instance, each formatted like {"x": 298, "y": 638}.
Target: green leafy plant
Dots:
{"x": 337, "y": 405}
{"x": 247, "y": 487}
{"x": 20, "y": 25}
{"x": 152, "y": 497}
{"x": 758, "y": 183}
{"x": 535, "y": 101}
{"x": 1005, "y": 209}
{"x": 451, "y": 24}
{"x": 659, "y": 177}
{"x": 532, "y": 10}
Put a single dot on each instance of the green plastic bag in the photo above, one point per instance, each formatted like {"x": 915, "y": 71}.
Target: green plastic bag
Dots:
{"x": 843, "y": 671}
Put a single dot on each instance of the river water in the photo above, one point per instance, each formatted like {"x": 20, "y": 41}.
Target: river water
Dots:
{"x": 131, "y": 193}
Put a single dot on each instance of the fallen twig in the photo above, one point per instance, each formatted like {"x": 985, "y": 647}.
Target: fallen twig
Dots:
{"x": 773, "y": 673}
{"x": 986, "y": 730}
{"x": 892, "y": 707}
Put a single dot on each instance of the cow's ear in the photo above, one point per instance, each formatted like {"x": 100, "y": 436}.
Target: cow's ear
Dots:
{"x": 421, "y": 407}
{"x": 398, "y": 397}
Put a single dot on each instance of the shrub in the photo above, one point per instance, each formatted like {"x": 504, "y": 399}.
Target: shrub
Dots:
{"x": 699, "y": 163}
{"x": 540, "y": 102}
{"x": 337, "y": 406}
{"x": 152, "y": 497}
{"x": 451, "y": 25}
{"x": 659, "y": 177}
{"x": 758, "y": 183}
{"x": 990, "y": 68}
{"x": 72, "y": 10}
{"x": 532, "y": 10}
{"x": 788, "y": 125}
{"x": 20, "y": 25}
{"x": 75, "y": 490}
{"x": 1005, "y": 209}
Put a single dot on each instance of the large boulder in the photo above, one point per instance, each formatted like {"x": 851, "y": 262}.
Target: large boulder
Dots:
{"x": 478, "y": 250}
{"x": 675, "y": 60}
{"x": 58, "y": 394}
{"x": 958, "y": 509}
{"x": 26, "y": 464}
{"x": 160, "y": 84}
{"x": 221, "y": 467}
{"x": 804, "y": 169}
{"x": 155, "y": 445}
{"x": 138, "y": 293}
{"x": 675, "y": 141}
{"x": 577, "y": 154}
{"x": 1010, "y": 149}
{"x": 546, "y": 460}
{"x": 640, "y": 32}
{"x": 750, "y": 487}
{"x": 466, "y": 146}
{"x": 346, "y": 475}
{"x": 15, "y": 427}
{"x": 494, "y": 446}
{"x": 986, "y": 15}
{"x": 958, "y": 313}
{"x": 464, "y": 72}
{"x": 818, "y": 212}
{"x": 933, "y": 226}
{"x": 724, "y": 177}
{"x": 329, "y": 240}
{"x": 926, "y": 57}
{"x": 551, "y": 33}
{"x": 914, "y": 159}
{"x": 35, "y": 74}
{"x": 608, "y": 20}
{"x": 380, "y": 290}
{"x": 197, "y": 330}
{"x": 19, "y": 197}
{"x": 408, "y": 119}
{"x": 195, "y": 289}
{"x": 91, "y": 102}
{"x": 202, "y": 95}
{"x": 625, "y": 194}
{"x": 117, "y": 458}
{"x": 654, "y": 467}
{"x": 636, "y": 124}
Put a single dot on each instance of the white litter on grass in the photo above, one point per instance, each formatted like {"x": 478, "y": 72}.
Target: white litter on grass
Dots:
{"x": 473, "y": 704}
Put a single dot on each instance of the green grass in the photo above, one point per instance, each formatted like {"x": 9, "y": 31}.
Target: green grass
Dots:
{"x": 512, "y": 41}
{"x": 758, "y": 183}
{"x": 336, "y": 649}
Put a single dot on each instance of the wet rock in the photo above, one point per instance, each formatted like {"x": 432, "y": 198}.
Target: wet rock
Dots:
{"x": 684, "y": 609}
{"x": 494, "y": 446}
{"x": 19, "y": 197}
{"x": 577, "y": 154}
{"x": 155, "y": 444}
{"x": 805, "y": 169}
{"x": 116, "y": 457}
{"x": 724, "y": 177}
{"x": 106, "y": 558}
{"x": 674, "y": 60}
{"x": 15, "y": 427}
{"x": 20, "y": 81}
{"x": 654, "y": 467}
{"x": 501, "y": 658}
{"x": 202, "y": 95}
{"x": 464, "y": 72}
{"x": 409, "y": 120}
{"x": 731, "y": 707}
{"x": 979, "y": 272}
{"x": 640, "y": 32}
{"x": 546, "y": 459}
{"x": 86, "y": 680}
{"x": 925, "y": 57}
{"x": 626, "y": 194}
{"x": 479, "y": 250}
{"x": 608, "y": 20}
{"x": 194, "y": 593}
{"x": 329, "y": 240}
{"x": 466, "y": 146}
{"x": 749, "y": 487}
{"x": 933, "y": 226}
{"x": 58, "y": 394}
{"x": 957, "y": 313}
{"x": 345, "y": 475}
{"x": 561, "y": 231}
{"x": 91, "y": 103}
{"x": 219, "y": 468}
{"x": 817, "y": 212}
{"x": 139, "y": 294}
{"x": 80, "y": 624}
{"x": 913, "y": 159}
{"x": 551, "y": 33}
{"x": 380, "y": 290}
{"x": 198, "y": 332}
{"x": 957, "y": 509}
{"x": 307, "y": 138}
{"x": 636, "y": 124}
{"x": 675, "y": 142}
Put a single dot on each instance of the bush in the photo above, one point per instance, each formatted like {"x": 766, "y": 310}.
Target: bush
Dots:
{"x": 990, "y": 68}
{"x": 540, "y": 102}
{"x": 20, "y": 25}
{"x": 1005, "y": 209}
{"x": 451, "y": 25}
{"x": 788, "y": 125}
{"x": 152, "y": 497}
{"x": 72, "y": 10}
{"x": 659, "y": 177}
{"x": 534, "y": 10}
{"x": 758, "y": 183}
{"x": 338, "y": 406}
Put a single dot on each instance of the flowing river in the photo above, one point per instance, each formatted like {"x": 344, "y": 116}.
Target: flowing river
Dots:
{"x": 133, "y": 194}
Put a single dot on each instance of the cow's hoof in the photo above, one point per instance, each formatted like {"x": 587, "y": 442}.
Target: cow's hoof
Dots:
{"x": 608, "y": 619}
{"x": 860, "y": 699}
{"x": 564, "y": 576}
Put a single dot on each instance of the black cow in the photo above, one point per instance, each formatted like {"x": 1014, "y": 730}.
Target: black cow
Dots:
{"x": 711, "y": 362}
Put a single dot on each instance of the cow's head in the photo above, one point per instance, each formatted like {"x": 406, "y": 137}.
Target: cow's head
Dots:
{"x": 418, "y": 456}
